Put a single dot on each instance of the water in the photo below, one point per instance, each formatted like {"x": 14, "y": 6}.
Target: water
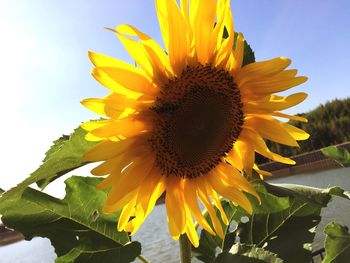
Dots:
{"x": 38, "y": 250}
{"x": 158, "y": 247}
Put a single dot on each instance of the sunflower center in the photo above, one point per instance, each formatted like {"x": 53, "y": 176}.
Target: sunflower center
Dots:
{"x": 198, "y": 118}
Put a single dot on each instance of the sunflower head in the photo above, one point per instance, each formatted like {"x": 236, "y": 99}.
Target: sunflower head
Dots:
{"x": 198, "y": 117}
{"x": 187, "y": 121}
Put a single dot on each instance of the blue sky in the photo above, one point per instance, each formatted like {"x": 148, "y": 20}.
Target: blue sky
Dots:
{"x": 45, "y": 71}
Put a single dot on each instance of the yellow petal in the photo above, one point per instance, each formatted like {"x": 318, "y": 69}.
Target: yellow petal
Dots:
{"x": 119, "y": 204}
{"x": 174, "y": 201}
{"x": 289, "y": 101}
{"x": 130, "y": 78}
{"x": 110, "y": 83}
{"x": 133, "y": 225}
{"x": 123, "y": 157}
{"x": 274, "y": 103}
{"x": 127, "y": 128}
{"x": 275, "y": 130}
{"x": 152, "y": 188}
{"x": 99, "y": 106}
{"x": 260, "y": 69}
{"x": 192, "y": 203}
{"x": 157, "y": 191}
{"x": 232, "y": 177}
{"x": 137, "y": 51}
{"x": 224, "y": 47}
{"x": 126, "y": 213}
{"x": 203, "y": 196}
{"x": 162, "y": 14}
{"x": 138, "y": 218}
{"x": 217, "y": 202}
{"x": 110, "y": 180}
{"x": 92, "y": 125}
{"x": 238, "y": 54}
{"x": 112, "y": 105}
{"x": 247, "y": 154}
{"x": 296, "y": 133}
{"x": 131, "y": 178}
{"x": 221, "y": 10}
{"x": 100, "y": 60}
{"x": 190, "y": 229}
{"x": 262, "y": 173}
{"x": 234, "y": 158}
{"x": 291, "y": 117}
{"x": 271, "y": 129}
{"x": 235, "y": 195}
{"x": 273, "y": 85}
{"x": 107, "y": 150}
{"x": 202, "y": 17}
{"x": 121, "y": 162}
{"x": 105, "y": 167}
{"x": 175, "y": 33}
{"x": 261, "y": 147}
{"x": 184, "y": 8}
{"x": 92, "y": 138}
{"x": 157, "y": 56}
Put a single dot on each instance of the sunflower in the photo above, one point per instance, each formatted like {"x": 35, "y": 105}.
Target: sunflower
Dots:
{"x": 187, "y": 120}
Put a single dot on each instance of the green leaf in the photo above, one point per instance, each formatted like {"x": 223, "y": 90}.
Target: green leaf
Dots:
{"x": 240, "y": 253}
{"x": 288, "y": 214}
{"x": 208, "y": 244}
{"x": 76, "y": 226}
{"x": 274, "y": 231}
{"x": 309, "y": 194}
{"x": 337, "y": 244}
{"x": 269, "y": 202}
{"x": 97, "y": 250}
{"x": 249, "y": 56}
{"x": 64, "y": 156}
{"x": 340, "y": 155}
{"x": 294, "y": 225}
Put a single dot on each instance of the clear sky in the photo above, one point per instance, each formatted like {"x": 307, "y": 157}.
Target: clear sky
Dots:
{"x": 45, "y": 72}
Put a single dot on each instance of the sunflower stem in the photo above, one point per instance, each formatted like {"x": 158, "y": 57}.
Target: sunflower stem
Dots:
{"x": 185, "y": 249}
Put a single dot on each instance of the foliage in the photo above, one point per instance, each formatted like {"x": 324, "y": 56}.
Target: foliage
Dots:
{"x": 337, "y": 243}
{"x": 340, "y": 155}
{"x": 76, "y": 226}
{"x": 208, "y": 244}
{"x": 288, "y": 214}
{"x": 246, "y": 253}
{"x": 328, "y": 124}
{"x": 249, "y": 56}
{"x": 65, "y": 155}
